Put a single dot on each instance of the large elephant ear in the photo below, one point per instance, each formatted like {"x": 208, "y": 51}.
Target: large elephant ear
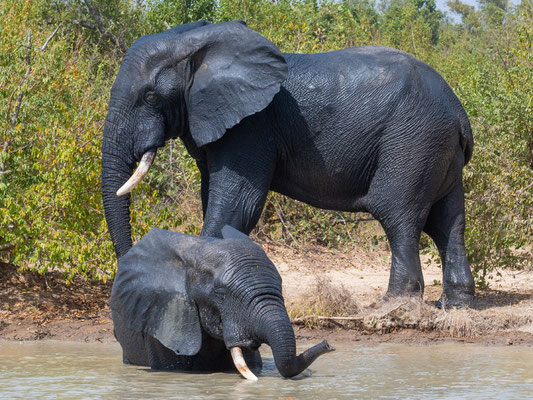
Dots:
{"x": 236, "y": 73}
{"x": 150, "y": 295}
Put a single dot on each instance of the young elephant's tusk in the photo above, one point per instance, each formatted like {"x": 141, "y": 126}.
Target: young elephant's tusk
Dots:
{"x": 238, "y": 360}
{"x": 141, "y": 171}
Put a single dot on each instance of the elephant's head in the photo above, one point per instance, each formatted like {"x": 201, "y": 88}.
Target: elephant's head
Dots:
{"x": 172, "y": 286}
{"x": 194, "y": 81}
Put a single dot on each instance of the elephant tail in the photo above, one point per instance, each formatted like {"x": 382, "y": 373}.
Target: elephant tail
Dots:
{"x": 467, "y": 139}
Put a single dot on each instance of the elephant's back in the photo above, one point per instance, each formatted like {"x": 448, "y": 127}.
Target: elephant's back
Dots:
{"x": 355, "y": 66}
{"x": 365, "y": 70}
{"x": 359, "y": 60}
{"x": 346, "y": 96}
{"x": 365, "y": 91}
{"x": 345, "y": 109}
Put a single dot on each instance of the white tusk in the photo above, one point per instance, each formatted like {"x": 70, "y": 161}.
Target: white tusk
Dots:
{"x": 141, "y": 171}
{"x": 238, "y": 360}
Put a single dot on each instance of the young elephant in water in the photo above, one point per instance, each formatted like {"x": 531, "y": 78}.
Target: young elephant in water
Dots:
{"x": 192, "y": 303}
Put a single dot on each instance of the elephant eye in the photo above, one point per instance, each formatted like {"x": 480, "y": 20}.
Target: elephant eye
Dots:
{"x": 220, "y": 290}
{"x": 150, "y": 98}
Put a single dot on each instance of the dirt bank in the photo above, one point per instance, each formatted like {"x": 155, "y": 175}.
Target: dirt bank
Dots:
{"x": 333, "y": 294}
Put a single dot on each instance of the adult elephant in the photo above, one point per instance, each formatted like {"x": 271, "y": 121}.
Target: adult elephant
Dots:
{"x": 180, "y": 302}
{"x": 362, "y": 129}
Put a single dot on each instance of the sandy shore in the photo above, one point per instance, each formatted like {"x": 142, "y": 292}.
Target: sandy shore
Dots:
{"x": 317, "y": 284}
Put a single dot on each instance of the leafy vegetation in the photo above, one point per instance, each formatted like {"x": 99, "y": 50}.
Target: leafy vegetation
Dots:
{"x": 58, "y": 60}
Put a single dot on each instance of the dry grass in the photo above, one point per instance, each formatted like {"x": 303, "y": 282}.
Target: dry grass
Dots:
{"x": 323, "y": 299}
{"x": 412, "y": 313}
{"x": 331, "y": 306}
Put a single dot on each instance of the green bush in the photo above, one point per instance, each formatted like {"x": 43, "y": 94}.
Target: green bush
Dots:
{"x": 53, "y": 105}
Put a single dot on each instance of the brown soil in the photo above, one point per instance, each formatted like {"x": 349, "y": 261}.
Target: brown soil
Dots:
{"x": 34, "y": 307}
{"x": 329, "y": 294}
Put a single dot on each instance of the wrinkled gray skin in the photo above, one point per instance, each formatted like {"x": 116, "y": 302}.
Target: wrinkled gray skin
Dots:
{"x": 180, "y": 302}
{"x": 362, "y": 129}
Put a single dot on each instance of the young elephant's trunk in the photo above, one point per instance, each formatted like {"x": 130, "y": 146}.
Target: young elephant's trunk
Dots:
{"x": 280, "y": 337}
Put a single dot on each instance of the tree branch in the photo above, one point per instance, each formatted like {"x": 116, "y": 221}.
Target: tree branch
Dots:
{"x": 85, "y": 24}
{"x": 13, "y": 122}
{"x": 100, "y": 27}
{"x": 20, "y": 97}
{"x": 45, "y": 45}
{"x": 6, "y": 246}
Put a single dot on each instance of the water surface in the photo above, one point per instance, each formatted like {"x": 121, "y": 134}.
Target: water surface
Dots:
{"x": 59, "y": 370}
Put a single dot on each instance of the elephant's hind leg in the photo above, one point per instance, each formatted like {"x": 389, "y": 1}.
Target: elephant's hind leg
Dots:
{"x": 446, "y": 225}
{"x": 406, "y": 272}
{"x": 402, "y": 211}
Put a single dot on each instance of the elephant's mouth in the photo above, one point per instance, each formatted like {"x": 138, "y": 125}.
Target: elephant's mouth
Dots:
{"x": 141, "y": 171}
{"x": 250, "y": 344}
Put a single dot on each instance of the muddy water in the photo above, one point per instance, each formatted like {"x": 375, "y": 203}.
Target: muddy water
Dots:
{"x": 55, "y": 370}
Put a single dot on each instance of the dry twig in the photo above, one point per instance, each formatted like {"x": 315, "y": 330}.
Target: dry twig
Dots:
{"x": 20, "y": 97}
{"x": 95, "y": 13}
{"x": 45, "y": 45}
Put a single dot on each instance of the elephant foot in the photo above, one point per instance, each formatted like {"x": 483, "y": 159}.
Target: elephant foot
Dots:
{"x": 392, "y": 294}
{"x": 457, "y": 297}
{"x": 395, "y": 299}
{"x": 407, "y": 288}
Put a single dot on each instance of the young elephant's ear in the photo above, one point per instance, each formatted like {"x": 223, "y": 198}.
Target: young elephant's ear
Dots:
{"x": 150, "y": 295}
{"x": 236, "y": 73}
{"x": 229, "y": 232}
{"x": 188, "y": 27}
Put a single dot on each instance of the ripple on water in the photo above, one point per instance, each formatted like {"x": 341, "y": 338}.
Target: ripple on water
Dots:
{"x": 51, "y": 370}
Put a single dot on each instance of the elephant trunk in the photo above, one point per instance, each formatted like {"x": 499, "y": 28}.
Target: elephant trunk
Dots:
{"x": 280, "y": 337}
{"x": 117, "y": 167}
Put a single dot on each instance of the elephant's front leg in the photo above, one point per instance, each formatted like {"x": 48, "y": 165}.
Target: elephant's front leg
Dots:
{"x": 236, "y": 196}
{"x": 204, "y": 191}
